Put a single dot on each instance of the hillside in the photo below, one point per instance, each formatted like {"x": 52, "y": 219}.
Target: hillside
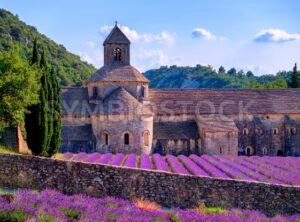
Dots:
{"x": 70, "y": 69}
{"x": 206, "y": 77}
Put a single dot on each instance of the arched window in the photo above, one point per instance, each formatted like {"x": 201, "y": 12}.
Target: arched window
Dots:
{"x": 118, "y": 54}
{"x": 264, "y": 151}
{"x": 95, "y": 92}
{"x": 126, "y": 139}
{"x": 279, "y": 153}
{"x": 245, "y": 131}
{"x": 249, "y": 151}
{"x": 293, "y": 131}
{"x": 259, "y": 131}
{"x": 146, "y": 138}
{"x": 143, "y": 91}
{"x": 275, "y": 131}
{"x": 221, "y": 150}
{"x": 105, "y": 138}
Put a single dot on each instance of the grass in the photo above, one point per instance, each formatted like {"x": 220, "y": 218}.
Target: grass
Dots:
{"x": 4, "y": 149}
{"x": 59, "y": 156}
{"x": 210, "y": 210}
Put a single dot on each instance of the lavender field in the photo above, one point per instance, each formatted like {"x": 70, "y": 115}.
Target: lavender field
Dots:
{"x": 275, "y": 170}
{"x": 53, "y": 206}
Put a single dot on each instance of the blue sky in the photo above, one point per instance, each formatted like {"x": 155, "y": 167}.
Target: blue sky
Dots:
{"x": 260, "y": 35}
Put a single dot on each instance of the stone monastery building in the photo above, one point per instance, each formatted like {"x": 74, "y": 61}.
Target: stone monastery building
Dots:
{"x": 115, "y": 111}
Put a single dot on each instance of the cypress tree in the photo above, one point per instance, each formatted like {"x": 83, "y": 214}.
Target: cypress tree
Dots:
{"x": 35, "y": 53}
{"x": 295, "y": 78}
{"x": 43, "y": 124}
{"x": 32, "y": 119}
{"x": 36, "y": 122}
{"x": 56, "y": 136}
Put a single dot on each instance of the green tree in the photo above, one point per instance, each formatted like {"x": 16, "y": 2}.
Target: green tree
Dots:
{"x": 44, "y": 121}
{"x": 222, "y": 70}
{"x": 35, "y": 54}
{"x": 19, "y": 88}
{"x": 57, "y": 126}
{"x": 295, "y": 78}
{"x": 250, "y": 74}
{"x": 277, "y": 84}
{"x": 232, "y": 72}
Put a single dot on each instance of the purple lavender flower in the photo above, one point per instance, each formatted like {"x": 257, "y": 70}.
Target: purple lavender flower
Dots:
{"x": 176, "y": 166}
{"x": 159, "y": 162}
{"x": 211, "y": 169}
{"x": 131, "y": 160}
{"x": 80, "y": 156}
{"x": 105, "y": 158}
{"x": 92, "y": 157}
{"x": 192, "y": 167}
{"x": 118, "y": 159}
{"x": 145, "y": 162}
{"x": 68, "y": 155}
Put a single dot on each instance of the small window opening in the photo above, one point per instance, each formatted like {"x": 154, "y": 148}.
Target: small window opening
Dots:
{"x": 279, "y": 153}
{"x": 248, "y": 151}
{"x": 106, "y": 138}
{"x": 293, "y": 131}
{"x": 245, "y": 131}
{"x": 265, "y": 151}
{"x": 126, "y": 139}
{"x": 146, "y": 138}
{"x": 275, "y": 131}
{"x": 95, "y": 92}
{"x": 118, "y": 54}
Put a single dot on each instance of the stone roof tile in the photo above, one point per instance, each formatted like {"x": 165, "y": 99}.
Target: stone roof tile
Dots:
{"x": 228, "y": 101}
{"x": 118, "y": 73}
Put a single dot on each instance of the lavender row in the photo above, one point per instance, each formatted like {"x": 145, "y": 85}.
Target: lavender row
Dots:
{"x": 274, "y": 173}
{"x": 80, "y": 156}
{"x": 280, "y": 165}
{"x": 251, "y": 173}
{"x": 192, "y": 167}
{"x": 131, "y": 160}
{"x": 212, "y": 170}
{"x": 234, "y": 173}
{"x": 105, "y": 158}
{"x": 118, "y": 159}
{"x": 145, "y": 162}
{"x": 93, "y": 157}
{"x": 68, "y": 156}
{"x": 176, "y": 166}
{"x": 159, "y": 162}
{"x": 261, "y": 170}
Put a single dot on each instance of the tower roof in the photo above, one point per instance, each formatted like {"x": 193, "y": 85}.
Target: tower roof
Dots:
{"x": 119, "y": 73}
{"x": 116, "y": 36}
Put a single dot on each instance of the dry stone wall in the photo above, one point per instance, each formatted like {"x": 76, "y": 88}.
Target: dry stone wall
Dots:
{"x": 169, "y": 190}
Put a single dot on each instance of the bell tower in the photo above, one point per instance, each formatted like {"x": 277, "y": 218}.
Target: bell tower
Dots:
{"x": 116, "y": 48}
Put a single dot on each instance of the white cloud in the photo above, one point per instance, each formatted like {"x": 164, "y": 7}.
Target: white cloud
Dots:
{"x": 153, "y": 57}
{"x": 85, "y": 57}
{"x": 203, "y": 34}
{"x": 134, "y": 36}
{"x": 91, "y": 44}
{"x": 275, "y": 35}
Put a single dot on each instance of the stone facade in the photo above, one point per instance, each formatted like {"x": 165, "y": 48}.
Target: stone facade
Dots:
{"x": 167, "y": 189}
{"x": 115, "y": 111}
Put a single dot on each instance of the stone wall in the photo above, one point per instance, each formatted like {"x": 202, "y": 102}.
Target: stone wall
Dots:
{"x": 169, "y": 190}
